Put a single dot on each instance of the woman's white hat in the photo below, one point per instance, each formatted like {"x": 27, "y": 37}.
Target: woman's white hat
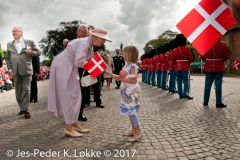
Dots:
{"x": 101, "y": 33}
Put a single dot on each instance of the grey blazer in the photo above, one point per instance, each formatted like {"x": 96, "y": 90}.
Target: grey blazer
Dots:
{"x": 21, "y": 63}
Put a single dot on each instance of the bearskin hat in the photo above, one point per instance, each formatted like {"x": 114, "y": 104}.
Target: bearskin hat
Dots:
{"x": 181, "y": 40}
{"x": 165, "y": 48}
{"x": 172, "y": 44}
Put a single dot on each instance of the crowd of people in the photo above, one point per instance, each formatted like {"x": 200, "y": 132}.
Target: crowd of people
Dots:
{"x": 174, "y": 57}
{"x": 67, "y": 97}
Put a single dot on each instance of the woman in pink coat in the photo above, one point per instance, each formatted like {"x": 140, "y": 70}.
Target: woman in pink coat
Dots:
{"x": 64, "y": 93}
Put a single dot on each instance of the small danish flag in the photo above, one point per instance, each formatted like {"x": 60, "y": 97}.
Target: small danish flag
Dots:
{"x": 205, "y": 24}
{"x": 95, "y": 66}
{"x": 236, "y": 65}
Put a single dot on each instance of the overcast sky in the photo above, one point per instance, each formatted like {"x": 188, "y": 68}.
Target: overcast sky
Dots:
{"x": 132, "y": 22}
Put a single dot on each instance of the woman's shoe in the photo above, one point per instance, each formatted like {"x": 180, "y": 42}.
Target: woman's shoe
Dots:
{"x": 135, "y": 139}
{"x": 81, "y": 130}
{"x": 67, "y": 133}
{"x": 128, "y": 134}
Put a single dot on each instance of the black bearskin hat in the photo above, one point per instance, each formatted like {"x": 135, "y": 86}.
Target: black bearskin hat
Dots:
{"x": 159, "y": 50}
{"x": 172, "y": 44}
{"x": 165, "y": 48}
{"x": 181, "y": 40}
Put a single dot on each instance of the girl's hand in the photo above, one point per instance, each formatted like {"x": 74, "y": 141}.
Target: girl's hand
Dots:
{"x": 117, "y": 78}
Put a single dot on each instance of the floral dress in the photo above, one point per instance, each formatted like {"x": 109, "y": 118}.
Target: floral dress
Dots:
{"x": 127, "y": 105}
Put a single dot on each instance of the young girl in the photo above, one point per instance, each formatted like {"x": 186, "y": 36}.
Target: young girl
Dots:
{"x": 128, "y": 106}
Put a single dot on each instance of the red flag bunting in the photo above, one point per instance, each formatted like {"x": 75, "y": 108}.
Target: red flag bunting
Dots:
{"x": 95, "y": 66}
{"x": 205, "y": 24}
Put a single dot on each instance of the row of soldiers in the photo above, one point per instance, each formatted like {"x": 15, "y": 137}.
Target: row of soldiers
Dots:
{"x": 162, "y": 66}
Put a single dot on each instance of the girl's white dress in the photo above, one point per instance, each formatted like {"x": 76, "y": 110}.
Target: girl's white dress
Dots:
{"x": 127, "y": 105}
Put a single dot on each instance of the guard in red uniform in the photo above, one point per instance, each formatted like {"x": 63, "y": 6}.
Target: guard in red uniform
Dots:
{"x": 182, "y": 57}
{"x": 172, "y": 81}
{"x": 154, "y": 67}
{"x": 214, "y": 67}
{"x": 159, "y": 67}
{"x": 149, "y": 68}
{"x": 164, "y": 50}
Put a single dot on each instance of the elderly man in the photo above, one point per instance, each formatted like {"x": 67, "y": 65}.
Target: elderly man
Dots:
{"x": 19, "y": 62}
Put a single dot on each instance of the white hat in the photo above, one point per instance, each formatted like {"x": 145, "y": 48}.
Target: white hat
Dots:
{"x": 101, "y": 33}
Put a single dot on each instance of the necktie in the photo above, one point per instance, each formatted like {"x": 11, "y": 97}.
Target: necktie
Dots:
{"x": 16, "y": 45}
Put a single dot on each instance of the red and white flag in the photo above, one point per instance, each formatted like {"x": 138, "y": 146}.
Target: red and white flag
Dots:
{"x": 95, "y": 66}
{"x": 205, "y": 24}
{"x": 236, "y": 65}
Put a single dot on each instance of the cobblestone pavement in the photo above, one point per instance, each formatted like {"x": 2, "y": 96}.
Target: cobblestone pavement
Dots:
{"x": 172, "y": 129}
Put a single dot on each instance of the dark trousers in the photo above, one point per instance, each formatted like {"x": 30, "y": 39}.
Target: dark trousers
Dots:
{"x": 118, "y": 83}
{"x": 34, "y": 89}
{"x": 210, "y": 77}
{"x": 183, "y": 77}
{"x": 172, "y": 81}
{"x": 84, "y": 90}
{"x": 97, "y": 90}
{"x": 159, "y": 78}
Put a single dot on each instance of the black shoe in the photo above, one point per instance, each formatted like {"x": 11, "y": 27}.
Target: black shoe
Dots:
{"x": 116, "y": 87}
{"x": 35, "y": 101}
{"x": 188, "y": 97}
{"x": 221, "y": 105}
{"x": 82, "y": 118}
{"x": 174, "y": 92}
{"x": 31, "y": 100}
{"x": 205, "y": 104}
{"x": 180, "y": 97}
{"x": 100, "y": 106}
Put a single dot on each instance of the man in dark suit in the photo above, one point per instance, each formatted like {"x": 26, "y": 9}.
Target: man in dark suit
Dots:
{"x": 118, "y": 63}
{"x": 82, "y": 33}
{"x": 19, "y": 62}
{"x": 36, "y": 70}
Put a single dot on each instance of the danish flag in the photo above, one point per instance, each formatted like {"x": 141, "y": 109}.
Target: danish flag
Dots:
{"x": 95, "y": 66}
{"x": 205, "y": 24}
{"x": 236, "y": 65}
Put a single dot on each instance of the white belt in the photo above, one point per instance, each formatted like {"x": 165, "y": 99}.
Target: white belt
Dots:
{"x": 181, "y": 60}
{"x": 214, "y": 59}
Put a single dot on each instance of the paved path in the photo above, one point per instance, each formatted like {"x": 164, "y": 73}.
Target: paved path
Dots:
{"x": 172, "y": 128}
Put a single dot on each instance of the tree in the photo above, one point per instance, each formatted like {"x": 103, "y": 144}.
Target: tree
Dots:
{"x": 165, "y": 37}
{"x": 54, "y": 38}
{"x": 47, "y": 62}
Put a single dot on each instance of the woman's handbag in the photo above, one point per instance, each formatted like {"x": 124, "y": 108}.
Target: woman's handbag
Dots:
{"x": 87, "y": 80}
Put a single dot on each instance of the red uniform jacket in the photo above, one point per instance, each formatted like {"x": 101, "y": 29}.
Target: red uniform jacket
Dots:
{"x": 143, "y": 65}
{"x": 146, "y": 63}
{"x": 182, "y": 57}
{"x": 215, "y": 57}
{"x": 150, "y": 64}
{"x": 164, "y": 62}
{"x": 154, "y": 64}
{"x": 159, "y": 62}
{"x": 170, "y": 62}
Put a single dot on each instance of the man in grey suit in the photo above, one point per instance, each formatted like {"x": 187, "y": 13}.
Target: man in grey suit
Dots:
{"x": 19, "y": 62}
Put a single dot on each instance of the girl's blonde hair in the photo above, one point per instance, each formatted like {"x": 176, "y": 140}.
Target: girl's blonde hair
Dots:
{"x": 131, "y": 53}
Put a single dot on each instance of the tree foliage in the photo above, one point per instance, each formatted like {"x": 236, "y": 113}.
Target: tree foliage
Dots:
{"x": 47, "y": 62}
{"x": 54, "y": 38}
{"x": 165, "y": 37}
